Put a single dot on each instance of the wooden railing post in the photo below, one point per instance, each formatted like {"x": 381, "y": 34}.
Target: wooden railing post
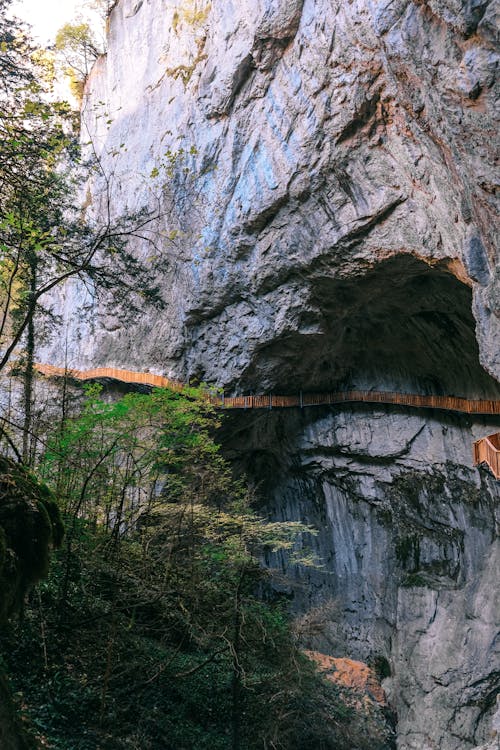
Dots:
{"x": 486, "y": 451}
{"x": 467, "y": 406}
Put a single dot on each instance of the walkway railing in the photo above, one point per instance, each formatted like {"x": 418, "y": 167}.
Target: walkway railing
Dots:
{"x": 124, "y": 376}
{"x": 272, "y": 401}
{"x": 448, "y": 403}
{"x": 486, "y": 450}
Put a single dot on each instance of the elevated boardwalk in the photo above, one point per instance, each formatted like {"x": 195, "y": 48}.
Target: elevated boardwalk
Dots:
{"x": 272, "y": 401}
{"x": 123, "y": 376}
{"x": 486, "y": 450}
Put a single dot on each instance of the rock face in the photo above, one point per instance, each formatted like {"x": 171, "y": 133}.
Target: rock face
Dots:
{"x": 324, "y": 174}
{"x": 407, "y": 549}
{"x": 335, "y": 191}
{"x": 30, "y": 526}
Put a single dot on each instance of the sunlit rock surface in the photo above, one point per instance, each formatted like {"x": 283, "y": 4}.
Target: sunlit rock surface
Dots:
{"x": 321, "y": 140}
{"x": 324, "y": 171}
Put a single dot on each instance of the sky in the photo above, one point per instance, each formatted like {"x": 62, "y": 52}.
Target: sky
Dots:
{"x": 46, "y": 16}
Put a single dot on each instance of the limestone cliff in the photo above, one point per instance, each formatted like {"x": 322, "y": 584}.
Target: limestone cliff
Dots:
{"x": 324, "y": 173}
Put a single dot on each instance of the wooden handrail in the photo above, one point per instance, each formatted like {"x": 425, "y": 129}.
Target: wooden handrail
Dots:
{"x": 269, "y": 401}
{"x": 487, "y": 450}
{"x": 113, "y": 373}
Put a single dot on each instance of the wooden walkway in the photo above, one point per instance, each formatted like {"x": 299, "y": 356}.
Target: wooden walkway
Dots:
{"x": 272, "y": 401}
{"x": 486, "y": 450}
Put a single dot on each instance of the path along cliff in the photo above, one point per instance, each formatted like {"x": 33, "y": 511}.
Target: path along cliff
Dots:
{"x": 325, "y": 176}
{"x": 486, "y": 450}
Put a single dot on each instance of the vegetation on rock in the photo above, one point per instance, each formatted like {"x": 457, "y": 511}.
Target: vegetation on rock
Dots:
{"x": 30, "y": 525}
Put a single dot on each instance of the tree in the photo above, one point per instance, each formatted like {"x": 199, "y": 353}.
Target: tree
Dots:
{"x": 80, "y": 42}
{"x": 102, "y": 7}
{"x": 45, "y": 238}
{"x": 30, "y": 526}
{"x": 78, "y": 47}
{"x": 159, "y": 616}
{"x": 146, "y": 475}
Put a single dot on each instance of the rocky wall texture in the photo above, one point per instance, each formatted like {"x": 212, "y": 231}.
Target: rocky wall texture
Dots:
{"x": 407, "y": 554}
{"x": 325, "y": 143}
{"x": 324, "y": 175}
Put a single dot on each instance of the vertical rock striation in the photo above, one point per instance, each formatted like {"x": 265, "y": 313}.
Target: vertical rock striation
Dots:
{"x": 407, "y": 549}
{"x": 320, "y": 140}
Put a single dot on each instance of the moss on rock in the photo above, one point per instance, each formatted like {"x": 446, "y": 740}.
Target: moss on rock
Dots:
{"x": 12, "y": 733}
{"x": 30, "y": 525}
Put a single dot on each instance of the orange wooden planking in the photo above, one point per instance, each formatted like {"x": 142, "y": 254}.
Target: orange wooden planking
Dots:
{"x": 262, "y": 401}
{"x": 486, "y": 450}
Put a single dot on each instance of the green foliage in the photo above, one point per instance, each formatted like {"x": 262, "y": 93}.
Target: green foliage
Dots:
{"x": 191, "y": 14}
{"x": 157, "y": 626}
{"x": 381, "y": 666}
{"x": 44, "y": 237}
{"x": 78, "y": 49}
{"x": 102, "y": 7}
{"x": 414, "y": 580}
{"x": 408, "y": 551}
{"x": 76, "y": 37}
{"x": 12, "y": 732}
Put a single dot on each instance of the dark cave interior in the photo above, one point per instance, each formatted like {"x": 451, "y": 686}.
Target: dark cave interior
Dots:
{"x": 403, "y": 326}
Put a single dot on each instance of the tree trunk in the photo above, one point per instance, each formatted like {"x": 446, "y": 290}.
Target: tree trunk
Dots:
{"x": 236, "y": 682}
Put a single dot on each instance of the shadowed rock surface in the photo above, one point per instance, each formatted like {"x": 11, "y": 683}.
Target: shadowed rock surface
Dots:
{"x": 407, "y": 548}
{"x": 320, "y": 139}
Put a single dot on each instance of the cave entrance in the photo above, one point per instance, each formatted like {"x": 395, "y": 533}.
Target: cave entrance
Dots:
{"x": 402, "y": 326}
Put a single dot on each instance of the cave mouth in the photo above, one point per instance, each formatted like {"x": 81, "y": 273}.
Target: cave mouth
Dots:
{"x": 402, "y": 326}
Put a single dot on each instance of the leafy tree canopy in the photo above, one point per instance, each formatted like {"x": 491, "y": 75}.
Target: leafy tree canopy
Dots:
{"x": 161, "y": 627}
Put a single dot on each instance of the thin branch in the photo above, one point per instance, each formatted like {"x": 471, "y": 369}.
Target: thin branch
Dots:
{"x": 210, "y": 659}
